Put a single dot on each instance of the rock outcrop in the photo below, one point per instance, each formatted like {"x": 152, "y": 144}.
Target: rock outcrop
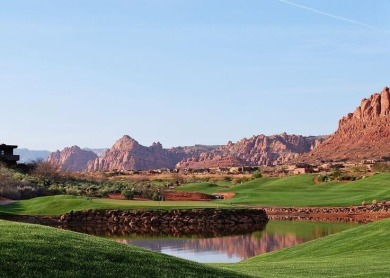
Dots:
{"x": 255, "y": 151}
{"x": 363, "y": 134}
{"x": 72, "y": 159}
{"x": 128, "y": 154}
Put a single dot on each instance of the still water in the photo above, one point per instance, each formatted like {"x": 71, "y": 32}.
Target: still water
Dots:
{"x": 229, "y": 249}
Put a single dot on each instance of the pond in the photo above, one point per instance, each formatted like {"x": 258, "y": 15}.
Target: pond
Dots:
{"x": 277, "y": 235}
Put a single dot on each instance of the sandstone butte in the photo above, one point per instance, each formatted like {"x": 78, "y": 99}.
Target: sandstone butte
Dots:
{"x": 128, "y": 154}
{"x": 71, "y": 159}
{"x": 363, "y": 134}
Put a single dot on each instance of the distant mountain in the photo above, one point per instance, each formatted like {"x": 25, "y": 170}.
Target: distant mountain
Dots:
{"x": 363, "y": 134}
{"x": 72, "y": 159}
{"x": 27, "y": 155}
{"x": 255, "y": 151}
{"x": 128, "y": 154}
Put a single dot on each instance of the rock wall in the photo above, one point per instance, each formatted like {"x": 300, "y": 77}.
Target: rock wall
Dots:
{"x": 202, "y": 222}
{"x": 361, "y": 214}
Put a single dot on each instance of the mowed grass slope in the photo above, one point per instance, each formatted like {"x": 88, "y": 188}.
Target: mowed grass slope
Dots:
{"x": 359, "y": 252}
{"x": 301, "y": 191}
{"x": 59, "y": 204}
{"x": 36, "y": 251}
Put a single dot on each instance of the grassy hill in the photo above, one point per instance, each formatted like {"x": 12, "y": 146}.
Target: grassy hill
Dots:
{"x": 37, "y": 251}
{"x": 59, "y": 204}
{"x": 300, "y": 190}
{"x": 358, "y": 252}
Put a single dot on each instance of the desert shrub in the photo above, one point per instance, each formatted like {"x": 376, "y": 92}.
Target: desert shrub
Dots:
{"x": 46, "y": 173}
{"x": 227, "y": 178}
{"x": 13, "y": 186}
{"x": 73, "y": 191}
{"x": 321, "y": 178}
{"x": 256, "y": 174}
{"x": 381, "y": 167}
{"x": 128, "y": 194}
{"x": 240, "y": 180}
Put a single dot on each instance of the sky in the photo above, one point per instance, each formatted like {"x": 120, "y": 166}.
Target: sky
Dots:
{"x": 185, "y": 72}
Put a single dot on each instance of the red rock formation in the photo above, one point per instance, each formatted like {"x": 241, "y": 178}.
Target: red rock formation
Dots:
{"x": 363, "y": 134}
{"x": 258, "y": 150}
{"x": 128, "y": 154}
{"x": 71, "y": 159}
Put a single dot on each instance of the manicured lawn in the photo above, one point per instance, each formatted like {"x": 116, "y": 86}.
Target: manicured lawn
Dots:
{"x": 37, "y": 251}
{"x": 55, "y": 205}
{"x": 205, "y": 187}
{"x": 358, "y": 252}
{"x": 301, "y": 191}
{"x": 296, "y": 191}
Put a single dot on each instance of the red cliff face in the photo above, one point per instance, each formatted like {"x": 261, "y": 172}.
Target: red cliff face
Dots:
{"x": 72, "y": 159}
{"x": 257, "y": 150}
{"x": 363, "y": 134}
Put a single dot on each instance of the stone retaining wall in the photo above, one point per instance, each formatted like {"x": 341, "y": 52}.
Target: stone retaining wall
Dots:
{"x": 377, "y": 208}
{"x": 201, "y": 222}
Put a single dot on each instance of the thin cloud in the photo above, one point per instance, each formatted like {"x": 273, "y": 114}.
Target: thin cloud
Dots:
{"x": 330, "y": 15}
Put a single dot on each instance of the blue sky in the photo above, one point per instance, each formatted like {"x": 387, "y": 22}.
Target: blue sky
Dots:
{"x": 185, "y": 72}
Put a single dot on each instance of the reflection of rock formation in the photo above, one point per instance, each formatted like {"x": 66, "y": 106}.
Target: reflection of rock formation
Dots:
{"x": 242, "y": 246}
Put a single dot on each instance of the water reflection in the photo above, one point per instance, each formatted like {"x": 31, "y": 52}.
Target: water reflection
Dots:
{"x": 277, "y": 235}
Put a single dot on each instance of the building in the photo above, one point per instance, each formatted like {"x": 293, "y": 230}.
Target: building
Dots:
{"x": 7, "y": 154}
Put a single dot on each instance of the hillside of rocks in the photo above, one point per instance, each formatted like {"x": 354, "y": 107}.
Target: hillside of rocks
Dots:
{"x": 363, "y": 134}
{"x": 128, "y": 154}
{"x": 72, "y": 159}
{"x": 255, "y": 151}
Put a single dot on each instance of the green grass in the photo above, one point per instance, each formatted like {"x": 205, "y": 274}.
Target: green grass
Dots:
{"x": 301, "y": 191}
{"x": 358, "y": 252}
{"x": 290, "y": 191}
{"x": 55, "y": 205}
{"x": 37, "y": 251}
{"x": 207, "y": 187}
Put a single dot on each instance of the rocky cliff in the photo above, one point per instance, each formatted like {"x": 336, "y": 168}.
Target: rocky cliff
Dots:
{"x": 128, "y": 154}
{"x": 257, "y": 150}
{"x": 72, "y": 159}
{"x": 363, "y": 134}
